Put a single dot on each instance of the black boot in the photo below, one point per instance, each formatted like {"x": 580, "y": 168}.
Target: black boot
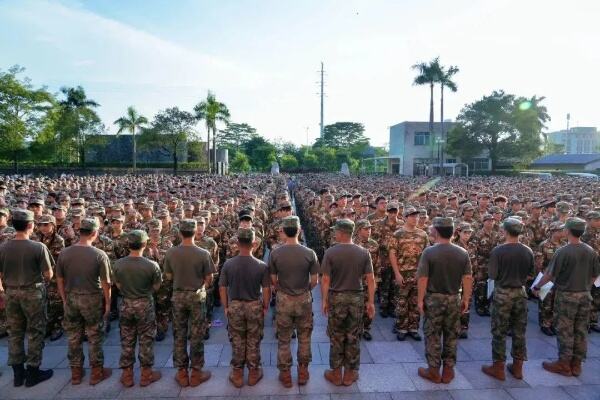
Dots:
{"x": 35, "y": 375}
{"x": 19, "y": 375}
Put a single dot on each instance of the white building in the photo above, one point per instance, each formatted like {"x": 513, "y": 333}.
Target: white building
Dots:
{"x": 577, "y": 140}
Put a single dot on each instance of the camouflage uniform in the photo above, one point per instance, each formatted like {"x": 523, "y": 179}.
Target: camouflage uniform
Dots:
{"x": 162, "y": 297}
{"x": 485, "y": 243}
{"x": 344, "y": 328}
{"x": 6, "y": 234}
{"x": 83, "y": 314}
{"x": 209, "y": 244}
{"x": 408, "y": 246}
{"x": 55, "y": 308}
{"x": 189, "y": 310}
{"x": 571, "y": 319}
{"x": 373, "y": 248}
{"x": 137, "y": 320}
{"x": 471, "y": 248}
{"x": 245, "y": 328}
{"x": 543, "y": 255}
{"x": 592, "y": 237}
{"x": 509, "y": 312}
{"x": 442, "y": 317}
{"x": 383, "y": 232}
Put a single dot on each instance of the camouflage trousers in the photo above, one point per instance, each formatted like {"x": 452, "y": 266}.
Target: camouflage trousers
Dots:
{"x": 344, "y": 328}
{"x": 386, "y": 288}
{"x": 482, "y": 302}
{"x": 210, "y": 299}
{"x": 407, "y": 311}
{"x": 595, "y": 307}
{"x": 138, "y": 323}
{"x": 509, "y": 312}
{"x": 83, "y": 315}
{"x": 3, "y": 323}
{"x": 189, "y": 311}
{"x": 571, "y": 318}
{"x": 55, "y": 307}
{"x": 293, "y": 312}
{"x": 245, "y": 327}
{"x": 163, "y": 305}
{"x": 366, "y": 321}
{"x": 440, "y": 326}
{"x": 465, "y": 318}
{"x": 26, "y": 313}
{"x": 546, "y": 310}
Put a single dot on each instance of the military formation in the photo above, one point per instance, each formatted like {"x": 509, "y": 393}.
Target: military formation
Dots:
{"x": 157, "y": 251}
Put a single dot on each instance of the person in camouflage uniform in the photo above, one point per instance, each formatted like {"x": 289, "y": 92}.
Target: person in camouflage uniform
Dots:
{"x": 47, "y": 235}
{"x": 485, "y": 240}
{"x": 137, "y": 278}
{"x": 6, "y": 233}
{"x": 363, "y": 239}
{"x": 208, "y": 243}
{"x": 155, "y": 249}
{"x": 543, "y": 255}
{"x": 404, "y": 249}
{"x": 592, "y": 238}
{"x": 464, "y": 232}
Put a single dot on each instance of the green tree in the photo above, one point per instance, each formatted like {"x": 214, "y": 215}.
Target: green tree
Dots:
{"x": 132, "y": 122}
{"x": 211, "y": 112}
{"x": 235, "y": 136}
{"x": 170, "y": 131}
{"x": 22, "y": 113}
{"x": 240, "y": 163}
{"x": 261, "y": 153}
{"x": 344, "y": 135}
{"x": 445, "y": 81}
{"x": 428, "y": 74}
{"x": 77, "y": 122}
{"x": 288, "y": 162}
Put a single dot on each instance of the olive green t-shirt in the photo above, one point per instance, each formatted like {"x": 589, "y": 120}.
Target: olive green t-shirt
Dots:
{"x": 244, "y": 276}
{"x": 510, "y": 265}
{"x": 573, "y": 267}
{"x": 188, "y": 265}
{"x": 22, "y": 262}
{"x": 82, "y": 268}
{"x": 444, "y": 265}
{"x": 136, "y": 276}
{"x": 346, "y": 264}
{"x": 293, "y": 265}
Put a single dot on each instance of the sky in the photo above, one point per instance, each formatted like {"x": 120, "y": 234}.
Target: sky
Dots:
{"x": 261, "y": 57}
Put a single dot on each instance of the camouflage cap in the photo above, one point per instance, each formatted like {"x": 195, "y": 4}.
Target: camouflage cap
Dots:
{"x": 575, "y": 223}
{"x": 187, "y": 225}
{"x": 59, "y": 207}
{"x": 536, "y": 204}
{"x": 118, "y": 218}
{"x": 410, "y": 211}
{"x": 556, "y": 226}
{"x": 47, "y": 219}
{"x": 246, "y": 234}
{"x": 563, "y": 207}
{"x": 137, "y": 236}
{"x": 422, "y": 212}
{"x": 163, "y": 213}
{"x": 204, "y": 213}
{"x": 468, "y": 207}
{"x": 90, "y": 224}
{"x": 344, "y": 225}
{"x": 393, "y": 205}
{"x": 154, "y": 224}
{"x": 513, "y": 224}
{"x": 291, "y": 222}
{"x": 77, "y": 201}
{"x": 77, "y": 212}
{"x": 200, "y": 220}
{"x": 487, "y": 217}
{"x": 363, "y": 223}
{"x": 245, "y": 216}
{"x": 464, "y": 227}
{"x": 37, "y": 200}
{"x": 496, "y": 210}
{"x": 443, "y": 222}
{"x": 593, "y": 215}
{"x": 284, "y": 204}
{"x": 20, "y": 214}
{"x": 4, "y": 211}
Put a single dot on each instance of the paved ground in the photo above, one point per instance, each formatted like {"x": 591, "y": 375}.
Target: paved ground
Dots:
{"x": 388, "y": 370}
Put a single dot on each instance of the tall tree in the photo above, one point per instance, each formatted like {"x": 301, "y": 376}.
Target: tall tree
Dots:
{"x": 22, "y": 113}
{"x": 212, "y": 112}
{"x": 428, "y": 74}
{"x": 344, "y": 135}
{"x": 235, "y": 136}
{"x": 132, "y": 122}
{"x": 170, "y": 131}
{"x": 445, "y": 80}
{"x": 261, "y": 153}
{"x": 78, "y": 120}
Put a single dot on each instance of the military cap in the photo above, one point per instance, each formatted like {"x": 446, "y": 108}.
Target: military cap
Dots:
{"x": 187, "y": 225}
{"x": 137, "y": 236}
{"x": 464, "y": 227}
{"x": 20, "y": 214}
{"x": 452, "y": 196}
{"x": 291, "y": 222}
{"x": 549, "y": 204}
{"x": 500, "y": 199}
{"x": 47, "y": 219}
{"x": 363, "y": 223}
{"x": 328, "y": 197}
{"x": 443, "y": 196}
{"x": 513, "y": 224}
{"x": 495, "y": 210}
{"x": 593, "y": 215}
{"x": 522, "y": 213}
{"x": 154, "y": 224}
{"x": 468, "y": 207}
{"x": 393, "y": 205}
{"x": 556, "y": 226}
{"x": 77, "y": 212}
{"x": 515, "y": 200}
{"x": 244, "y": 216}
{"x": 36, "y": 200}
{"x": 586, "y": 200}
{"x": 59, "y": 207}
{"x": 214, "y": 209}
{"x": 284, "y": 204}
{"x": 90, "y": 224}
{"x": 410, "y": 211}
{"x": 204, "y": 213}
{"x": 487, "y": 217}
{"x": 563, "y": 207}
{"x": 78, "y": 201}
{"x": 575, "y": 223}
{"x": 118, "y": 218}
{"x": 163, "y": 213}
{"x": 422, "y": 212}
{"x": 536, "y": 204}
{"x": 4, "y": 211}
{"x": 443, "y": 222}
{"x": 200, "y": 220}
{"x": 344, "y": 225}
{"x": 485, "y": 195}
{"x": 246, "y": 234}
{"x": 2, "y": 185}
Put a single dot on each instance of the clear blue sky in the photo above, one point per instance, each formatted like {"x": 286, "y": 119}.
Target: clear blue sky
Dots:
{"x": 261, "y": 57}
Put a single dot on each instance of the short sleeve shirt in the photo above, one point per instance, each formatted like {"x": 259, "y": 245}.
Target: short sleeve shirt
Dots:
{"x": 22, "y": 262}
{"x": 346, "y": 264}
{"x": 83, "y": 268}
{"x": 293, "y": 265}
{"x": 136, "y": 276}
{"x": 573, "y": 267}
{"x": 444, "y": 265}
{"x": 188, "y": 265}
{"x": 244, "y": 276}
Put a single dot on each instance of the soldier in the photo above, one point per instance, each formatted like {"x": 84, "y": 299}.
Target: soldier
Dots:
{"x": 55, "y": 243}
{"x": 83, "y": 278}
{"x": 208, "y": 243}
{"x": 191, "y": 269}
{"x": 510, "y": 266}
{"x": 543, "y": 256}
{"x": 6, "y": 233}
{"x": 405, "y": 248}
{"x": 592, "y": 238}
{"x": 24, "y": 266}
{"x": 443, "y": 269}
{"x": 485, "y": 240}
{"x": 573, "y": 269}
{"x": 293, "y": 270}
{"x": 363, "y": 239}
{"x": 240, "y": 283}
{"x": 463, "y": 239}
{"x": 380, "y": 213}
{"x": 137, "y": 277}
{"x": 344, "y": 268}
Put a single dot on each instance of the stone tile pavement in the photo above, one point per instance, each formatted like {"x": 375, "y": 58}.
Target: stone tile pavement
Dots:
{"x": 388, "y": 370}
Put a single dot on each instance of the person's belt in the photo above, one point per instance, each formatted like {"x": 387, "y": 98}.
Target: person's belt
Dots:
{"x": 292, "y": 295}
{"x": 19, "y": 287}
{"x": 245, "y": 301}
{"x": 85, "y": 293}
{"x": 187, "y": 290}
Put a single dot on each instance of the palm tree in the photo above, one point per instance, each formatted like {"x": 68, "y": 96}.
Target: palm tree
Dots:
{"x": 131, "y": 122}
{"x": 211, "y": 111}
{"x": 79, "y": 110}
{"x": 428, "y": 74}
{"x": 445, "y": 80}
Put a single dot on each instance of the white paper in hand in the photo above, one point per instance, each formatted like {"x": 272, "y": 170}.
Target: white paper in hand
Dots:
{"x": 597, "y": 282}
{"x": 544, "y": 290}
{"x": 490, "y": 288}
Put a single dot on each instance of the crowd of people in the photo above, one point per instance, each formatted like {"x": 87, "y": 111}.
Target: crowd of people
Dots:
{"x": 153, "y": 251}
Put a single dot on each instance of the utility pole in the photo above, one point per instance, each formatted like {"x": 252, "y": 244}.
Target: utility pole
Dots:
{"x": 322, "y": 96}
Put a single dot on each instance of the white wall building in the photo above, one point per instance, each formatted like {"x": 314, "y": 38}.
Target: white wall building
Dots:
{"x": 577, "y": 140}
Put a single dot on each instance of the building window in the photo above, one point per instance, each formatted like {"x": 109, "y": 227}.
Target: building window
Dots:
{"x": 479, "y": 164}
{"x": 421, "y": 138}
{"x": 451, "y": 161}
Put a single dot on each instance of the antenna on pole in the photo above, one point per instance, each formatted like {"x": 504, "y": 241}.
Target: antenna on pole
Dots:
{"x": 322, "y": 96}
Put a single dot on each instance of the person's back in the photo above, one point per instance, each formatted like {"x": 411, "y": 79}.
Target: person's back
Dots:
{"x": 22, "y": 262}
{"x": 244, "y": 276}
{"x": 511, "y": 264}
{"x": 136, "y": 276}
{"x": 346, "y": 264}
{"x": 293, "y": 264}
{"x": 82, "y": 268}
{"x": 446, "y": 264}
{"x": 188, "y": 265}
{"x": 573, "y": 267}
